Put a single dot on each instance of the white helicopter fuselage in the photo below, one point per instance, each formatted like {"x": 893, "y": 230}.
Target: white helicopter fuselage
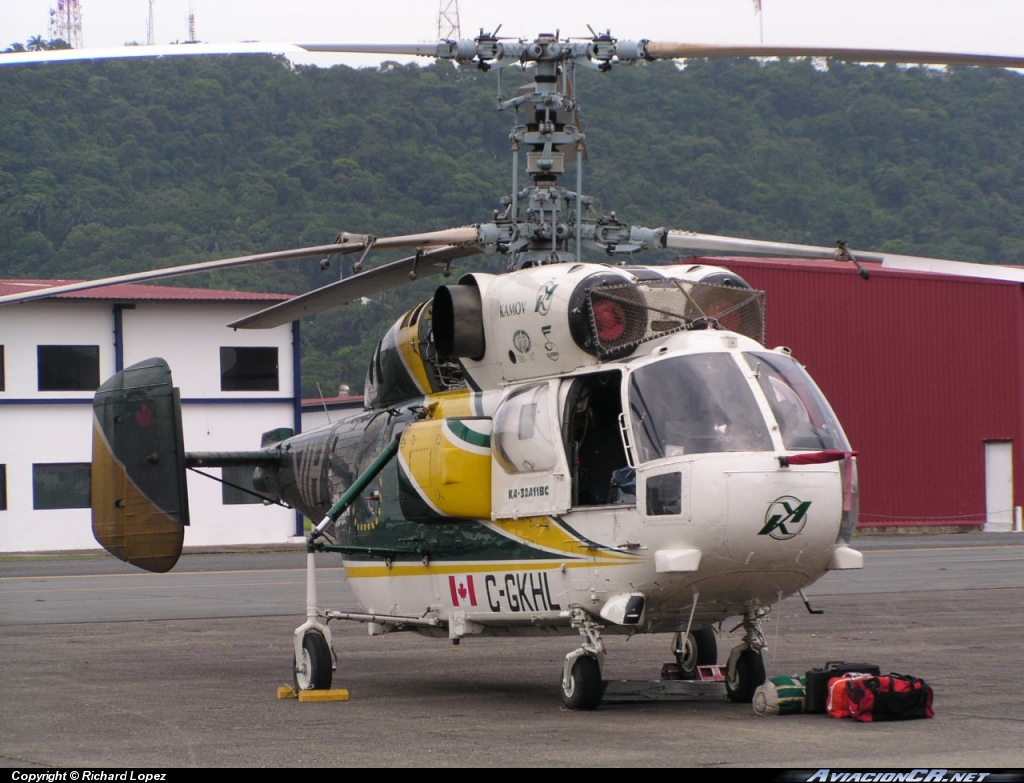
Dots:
{"x": 654, "y": 490}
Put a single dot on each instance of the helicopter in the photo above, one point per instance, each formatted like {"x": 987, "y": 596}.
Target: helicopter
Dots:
{"x": 573, "y": 447}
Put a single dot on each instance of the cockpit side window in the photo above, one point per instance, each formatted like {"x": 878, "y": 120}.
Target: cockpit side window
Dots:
{"x": 805, "y": 419}
{"x": 694, "y": 404}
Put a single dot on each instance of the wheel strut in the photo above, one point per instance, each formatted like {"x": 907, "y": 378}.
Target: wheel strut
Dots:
{"x": 582, "y": 686}
{"x": 745, "y": 670}
{"x": 314, "y": 659}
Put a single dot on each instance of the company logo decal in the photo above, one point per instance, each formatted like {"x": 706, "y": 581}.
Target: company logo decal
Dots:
{"x": 785, "y": 518}
{"x": 544, "y": 297}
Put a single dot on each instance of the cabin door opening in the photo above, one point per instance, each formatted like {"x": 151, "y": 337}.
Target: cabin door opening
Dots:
{"x": 593, "y": 440}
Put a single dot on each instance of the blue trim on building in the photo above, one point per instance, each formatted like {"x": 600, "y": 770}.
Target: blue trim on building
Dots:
{"x": 297, "y": 402}
{"x": 119, "y": 309}
{"x": 236, "y": 401}
{"x": 45, "y": 401}
{"x": 290, "y": 401}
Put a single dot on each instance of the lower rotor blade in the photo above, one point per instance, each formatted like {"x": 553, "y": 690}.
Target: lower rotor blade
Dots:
{"x": 363, "y": 284}
{"x": 687, "y": 240}
{"x": 187, "y": 269}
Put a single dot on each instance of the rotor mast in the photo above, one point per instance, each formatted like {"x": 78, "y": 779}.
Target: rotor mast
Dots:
{"x": 544, "y": 222}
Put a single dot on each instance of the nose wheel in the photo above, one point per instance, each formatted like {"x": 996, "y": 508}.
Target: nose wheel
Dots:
{"x": 744, "y": 674}
{"x": 583, "y": 689}
{"x": 745, "y": 670}
{"x": 582, "y": 686}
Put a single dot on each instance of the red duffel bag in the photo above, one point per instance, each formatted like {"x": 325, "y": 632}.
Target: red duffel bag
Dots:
{"x": 890, "y": 697}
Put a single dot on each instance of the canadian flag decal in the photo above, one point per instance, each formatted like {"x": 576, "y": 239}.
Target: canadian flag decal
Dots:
{"x": 463, "y": 592}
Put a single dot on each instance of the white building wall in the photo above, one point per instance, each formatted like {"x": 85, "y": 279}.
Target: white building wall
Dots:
{"x": 55, "y": 427}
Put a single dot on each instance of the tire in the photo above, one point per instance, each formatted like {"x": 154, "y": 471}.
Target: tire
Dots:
{"x": 585, "y": 686}
{"x": 699, "y": 649}
{"x": 315, "y": 672}
{"x": 744, "y": 676}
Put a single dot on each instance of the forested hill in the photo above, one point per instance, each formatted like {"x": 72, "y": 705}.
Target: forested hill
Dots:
{"x": 110, "y": 167}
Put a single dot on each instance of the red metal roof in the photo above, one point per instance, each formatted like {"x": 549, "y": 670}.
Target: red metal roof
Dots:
{"x": 140, "y": 292}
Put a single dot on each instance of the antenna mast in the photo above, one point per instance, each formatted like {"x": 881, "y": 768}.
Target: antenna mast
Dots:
{"x": 150, "y": 37}
{"x": 66, "y": 23}
{"x": 448, "y": 28}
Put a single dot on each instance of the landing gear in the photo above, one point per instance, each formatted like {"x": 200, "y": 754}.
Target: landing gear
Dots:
{"x": 744, "y": 674}
{"x": 699, "y": 649}
{"x": 584, "y": 689}
{"x": 313, "y": 665}
{"x": 313, "y": 668}
{"x": 582, "y": 686}
{"x": 745, "y": 670}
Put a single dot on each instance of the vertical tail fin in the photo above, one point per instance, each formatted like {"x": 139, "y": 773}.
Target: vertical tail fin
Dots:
{"x": 139, "y": 495}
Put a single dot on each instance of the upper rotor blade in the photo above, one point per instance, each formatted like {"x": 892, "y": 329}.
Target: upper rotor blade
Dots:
{"x": 363, "y": 284}
{"x": 667, "y": 50}
{"x": 175, "y": 50}
{"x": 435, "y": 49}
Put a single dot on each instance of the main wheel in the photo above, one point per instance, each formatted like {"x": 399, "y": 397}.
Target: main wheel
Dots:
{"x": 313, "y": 672}
{"x": 699, "y": 649}
{"x": 744, "y": 674}
{"x": 585, "y": 686}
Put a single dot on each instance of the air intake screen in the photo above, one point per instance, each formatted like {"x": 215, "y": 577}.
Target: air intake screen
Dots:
{"x": 623, "y": 316}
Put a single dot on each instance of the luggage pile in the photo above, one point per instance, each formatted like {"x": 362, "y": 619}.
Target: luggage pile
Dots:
{"x": 846, "y": 690}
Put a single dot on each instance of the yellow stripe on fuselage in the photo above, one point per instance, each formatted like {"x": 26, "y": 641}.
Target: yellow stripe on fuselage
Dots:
{"x": 547, "y": 534}
{"x": 353, "y": 571}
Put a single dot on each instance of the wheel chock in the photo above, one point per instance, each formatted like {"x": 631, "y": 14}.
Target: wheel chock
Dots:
{"x": 711, "y": 673}
{"x": 334, "y": 694}
{"x": 287, "y": 692}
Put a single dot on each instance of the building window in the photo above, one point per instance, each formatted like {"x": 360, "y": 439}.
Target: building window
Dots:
{"x": 69, "y": 367}
{"x": 248, "y": 369}
{"x": 240, "y": 476}
{"x": 3, "y": 487}
{"x": 61, "y": 485}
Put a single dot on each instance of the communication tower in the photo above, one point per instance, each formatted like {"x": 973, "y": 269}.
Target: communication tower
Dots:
{"x": 66, "y": 23}
{"x": 150, "y": 36}
{"x": 448, "y": 21}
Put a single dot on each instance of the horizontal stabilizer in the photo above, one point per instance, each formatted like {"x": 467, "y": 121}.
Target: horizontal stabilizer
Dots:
{"x": 139, "y": 496}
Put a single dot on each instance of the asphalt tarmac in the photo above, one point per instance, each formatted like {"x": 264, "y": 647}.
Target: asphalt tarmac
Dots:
{"x": 105, "y": 667}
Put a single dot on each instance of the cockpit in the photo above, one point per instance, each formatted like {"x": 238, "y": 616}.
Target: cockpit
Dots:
{"x": 703, "y": 403}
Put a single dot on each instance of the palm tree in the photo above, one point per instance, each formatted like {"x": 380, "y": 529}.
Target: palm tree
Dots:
{"x": 36, "y": 44}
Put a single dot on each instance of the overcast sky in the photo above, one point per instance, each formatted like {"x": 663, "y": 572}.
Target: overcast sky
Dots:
{"x": 976, "y": 26}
